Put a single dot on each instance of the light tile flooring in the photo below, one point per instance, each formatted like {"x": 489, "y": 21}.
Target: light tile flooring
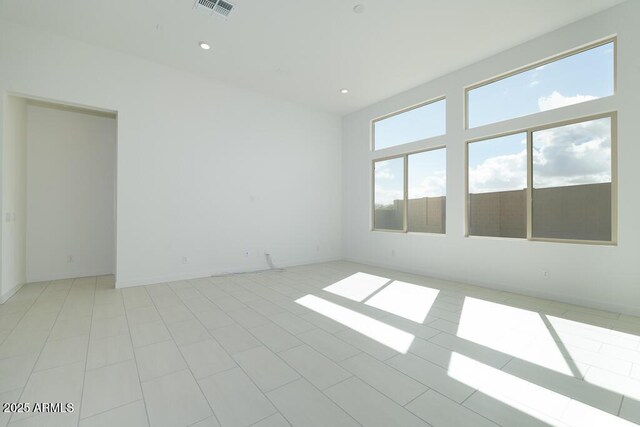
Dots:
{"x": 376, "y": 347}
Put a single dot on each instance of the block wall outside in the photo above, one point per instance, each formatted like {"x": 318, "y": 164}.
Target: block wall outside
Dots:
{"x": 580, "y": 212}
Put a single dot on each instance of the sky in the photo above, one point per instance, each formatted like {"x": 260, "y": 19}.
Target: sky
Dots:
{"x": 389, "y": 185}
{"x": 568, "y": 155}
{"x": 427, "y": 177}
{"x": 413, "y": 125}
{"x": 577, "y": 78}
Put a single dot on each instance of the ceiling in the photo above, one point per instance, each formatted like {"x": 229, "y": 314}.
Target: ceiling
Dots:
{"x": 306, "y": 51}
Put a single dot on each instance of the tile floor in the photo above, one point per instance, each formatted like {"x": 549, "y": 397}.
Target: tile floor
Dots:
{"x": 327, "y": 344}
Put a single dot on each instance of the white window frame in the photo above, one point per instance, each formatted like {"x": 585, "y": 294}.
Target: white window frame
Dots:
{"x": 560, "y": 56}
{"x": 372, "y": 142}
{"x": 405, "y": 157}
{"x": 613, "y": 116}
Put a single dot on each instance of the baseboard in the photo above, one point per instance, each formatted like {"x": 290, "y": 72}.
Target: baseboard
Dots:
{"x": 63, "y": 276}
{"x": 585, "y": 302}
{"x": 153, "y": 280}
{"x": 11, "y": 292}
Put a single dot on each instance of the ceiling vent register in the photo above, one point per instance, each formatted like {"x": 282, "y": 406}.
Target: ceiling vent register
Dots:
{"x": 219, "y": 7}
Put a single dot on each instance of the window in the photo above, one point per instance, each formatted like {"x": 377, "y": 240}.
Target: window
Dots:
{"x": 389, "y": 194}
{"x": 572, "y": 179}
{"x": 411, "y": 125}
{"x": 410, "y": 192}
{"x": 497, "y": 182}
{"x": 571, "y": 189}
{"x": 579, "y": 77}
{"x": 427, "y": 191}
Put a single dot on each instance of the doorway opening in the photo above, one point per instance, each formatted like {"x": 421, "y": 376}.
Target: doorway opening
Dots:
{"x": 59, "y": 193}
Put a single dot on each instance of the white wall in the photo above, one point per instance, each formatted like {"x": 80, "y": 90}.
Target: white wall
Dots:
{"x": 14, "y": 179}
{"x": 71, "y": 165}
{"x": 205, "y": 170}
{"x": 599, "y": 276}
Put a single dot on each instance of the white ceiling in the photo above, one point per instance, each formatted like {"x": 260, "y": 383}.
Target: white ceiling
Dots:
{"x": 306, "y": 51}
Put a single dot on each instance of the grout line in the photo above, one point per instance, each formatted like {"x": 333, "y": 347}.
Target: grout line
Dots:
{"x": 469, "y": 409}
{"x": 269, "y": 416}
{"x": 218, "y": 372}
{"x": 415, "y": 398}
{"x": 135, "y": 361}
{"x": 188, "y": 368}
{"x": 42, "y": 347}
{"x": 110, "y": 409}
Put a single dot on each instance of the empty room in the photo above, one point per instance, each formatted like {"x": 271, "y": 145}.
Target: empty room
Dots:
{"x": 343, "y": 213}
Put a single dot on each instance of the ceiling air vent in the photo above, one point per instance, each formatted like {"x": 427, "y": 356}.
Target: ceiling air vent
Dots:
{"x": 219, "y": 7}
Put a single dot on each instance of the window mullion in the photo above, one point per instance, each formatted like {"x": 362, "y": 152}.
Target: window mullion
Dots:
{"x": 529, "y": 184}
{"x": 406, "y": 192}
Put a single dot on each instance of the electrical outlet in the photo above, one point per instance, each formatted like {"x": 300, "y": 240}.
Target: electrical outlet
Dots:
{"x": 546, "y": 274}
{"x": 185, "y": 260}
{"x": 70, "y": 258}
{"x": 247, "y": 254}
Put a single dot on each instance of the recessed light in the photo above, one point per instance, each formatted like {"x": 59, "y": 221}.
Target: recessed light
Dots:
{"x": 204, "y": 45}
{"x": 359, "y": 8}
{"x": 344, "y": 91}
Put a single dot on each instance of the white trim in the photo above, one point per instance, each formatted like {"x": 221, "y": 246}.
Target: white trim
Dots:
{"x": 11, "y": 292}
{"x": 143, "y": 281}
{"x": 63, "y": 276}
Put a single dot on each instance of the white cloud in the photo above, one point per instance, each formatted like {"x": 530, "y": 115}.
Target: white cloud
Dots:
{"x": 435, "y": 185}
{"x": 383, "y": 171}
{"x": 499, "y": 173}
{"x": 573, "y": 155}
{"x": 557, "y": 100}
{"x": 534, "y": 83}
{"x": 569, "y": 155}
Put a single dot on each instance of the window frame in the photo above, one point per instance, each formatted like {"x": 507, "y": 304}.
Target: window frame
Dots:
{"x": 613, "y": 116}
{"x": 467, "y": 197}
{"x": 372, "y": 142}
{"x": 405, "y": 219}
{"x": 592, "y": 45}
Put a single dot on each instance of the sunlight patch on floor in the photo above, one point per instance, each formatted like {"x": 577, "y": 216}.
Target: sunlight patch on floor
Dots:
{"x": 567, "y": 328}
{"x": 406, "y": 300}
{"x": 358, "y": 286}
{"x": 546, "y": 405}
{"x": 393, "y": 338}
{"x": 510, "y": 330}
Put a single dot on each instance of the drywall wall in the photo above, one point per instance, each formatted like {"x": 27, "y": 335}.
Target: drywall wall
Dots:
{"x": 14, "y": 181}
{"x": 71, "y": 165}
{"x": 209, "y": 176}
{"x": 600, "y": 276}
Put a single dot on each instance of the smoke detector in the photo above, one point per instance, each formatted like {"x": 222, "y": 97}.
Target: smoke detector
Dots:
{"x": 217, "y": 7}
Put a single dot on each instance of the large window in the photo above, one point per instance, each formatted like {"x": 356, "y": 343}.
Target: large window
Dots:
{"x": 427, "y": 191}
{"x": 569, "y": 195}
{"x": 572, "y": 179}
{"x": 497, "y": 181}
{"x": 571, "y": 79}
{"x": 389, "y": 194}
{"x": 410, "y": 192}
{"x": 410, "y": 125}
{"x": 534, "y": 180}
